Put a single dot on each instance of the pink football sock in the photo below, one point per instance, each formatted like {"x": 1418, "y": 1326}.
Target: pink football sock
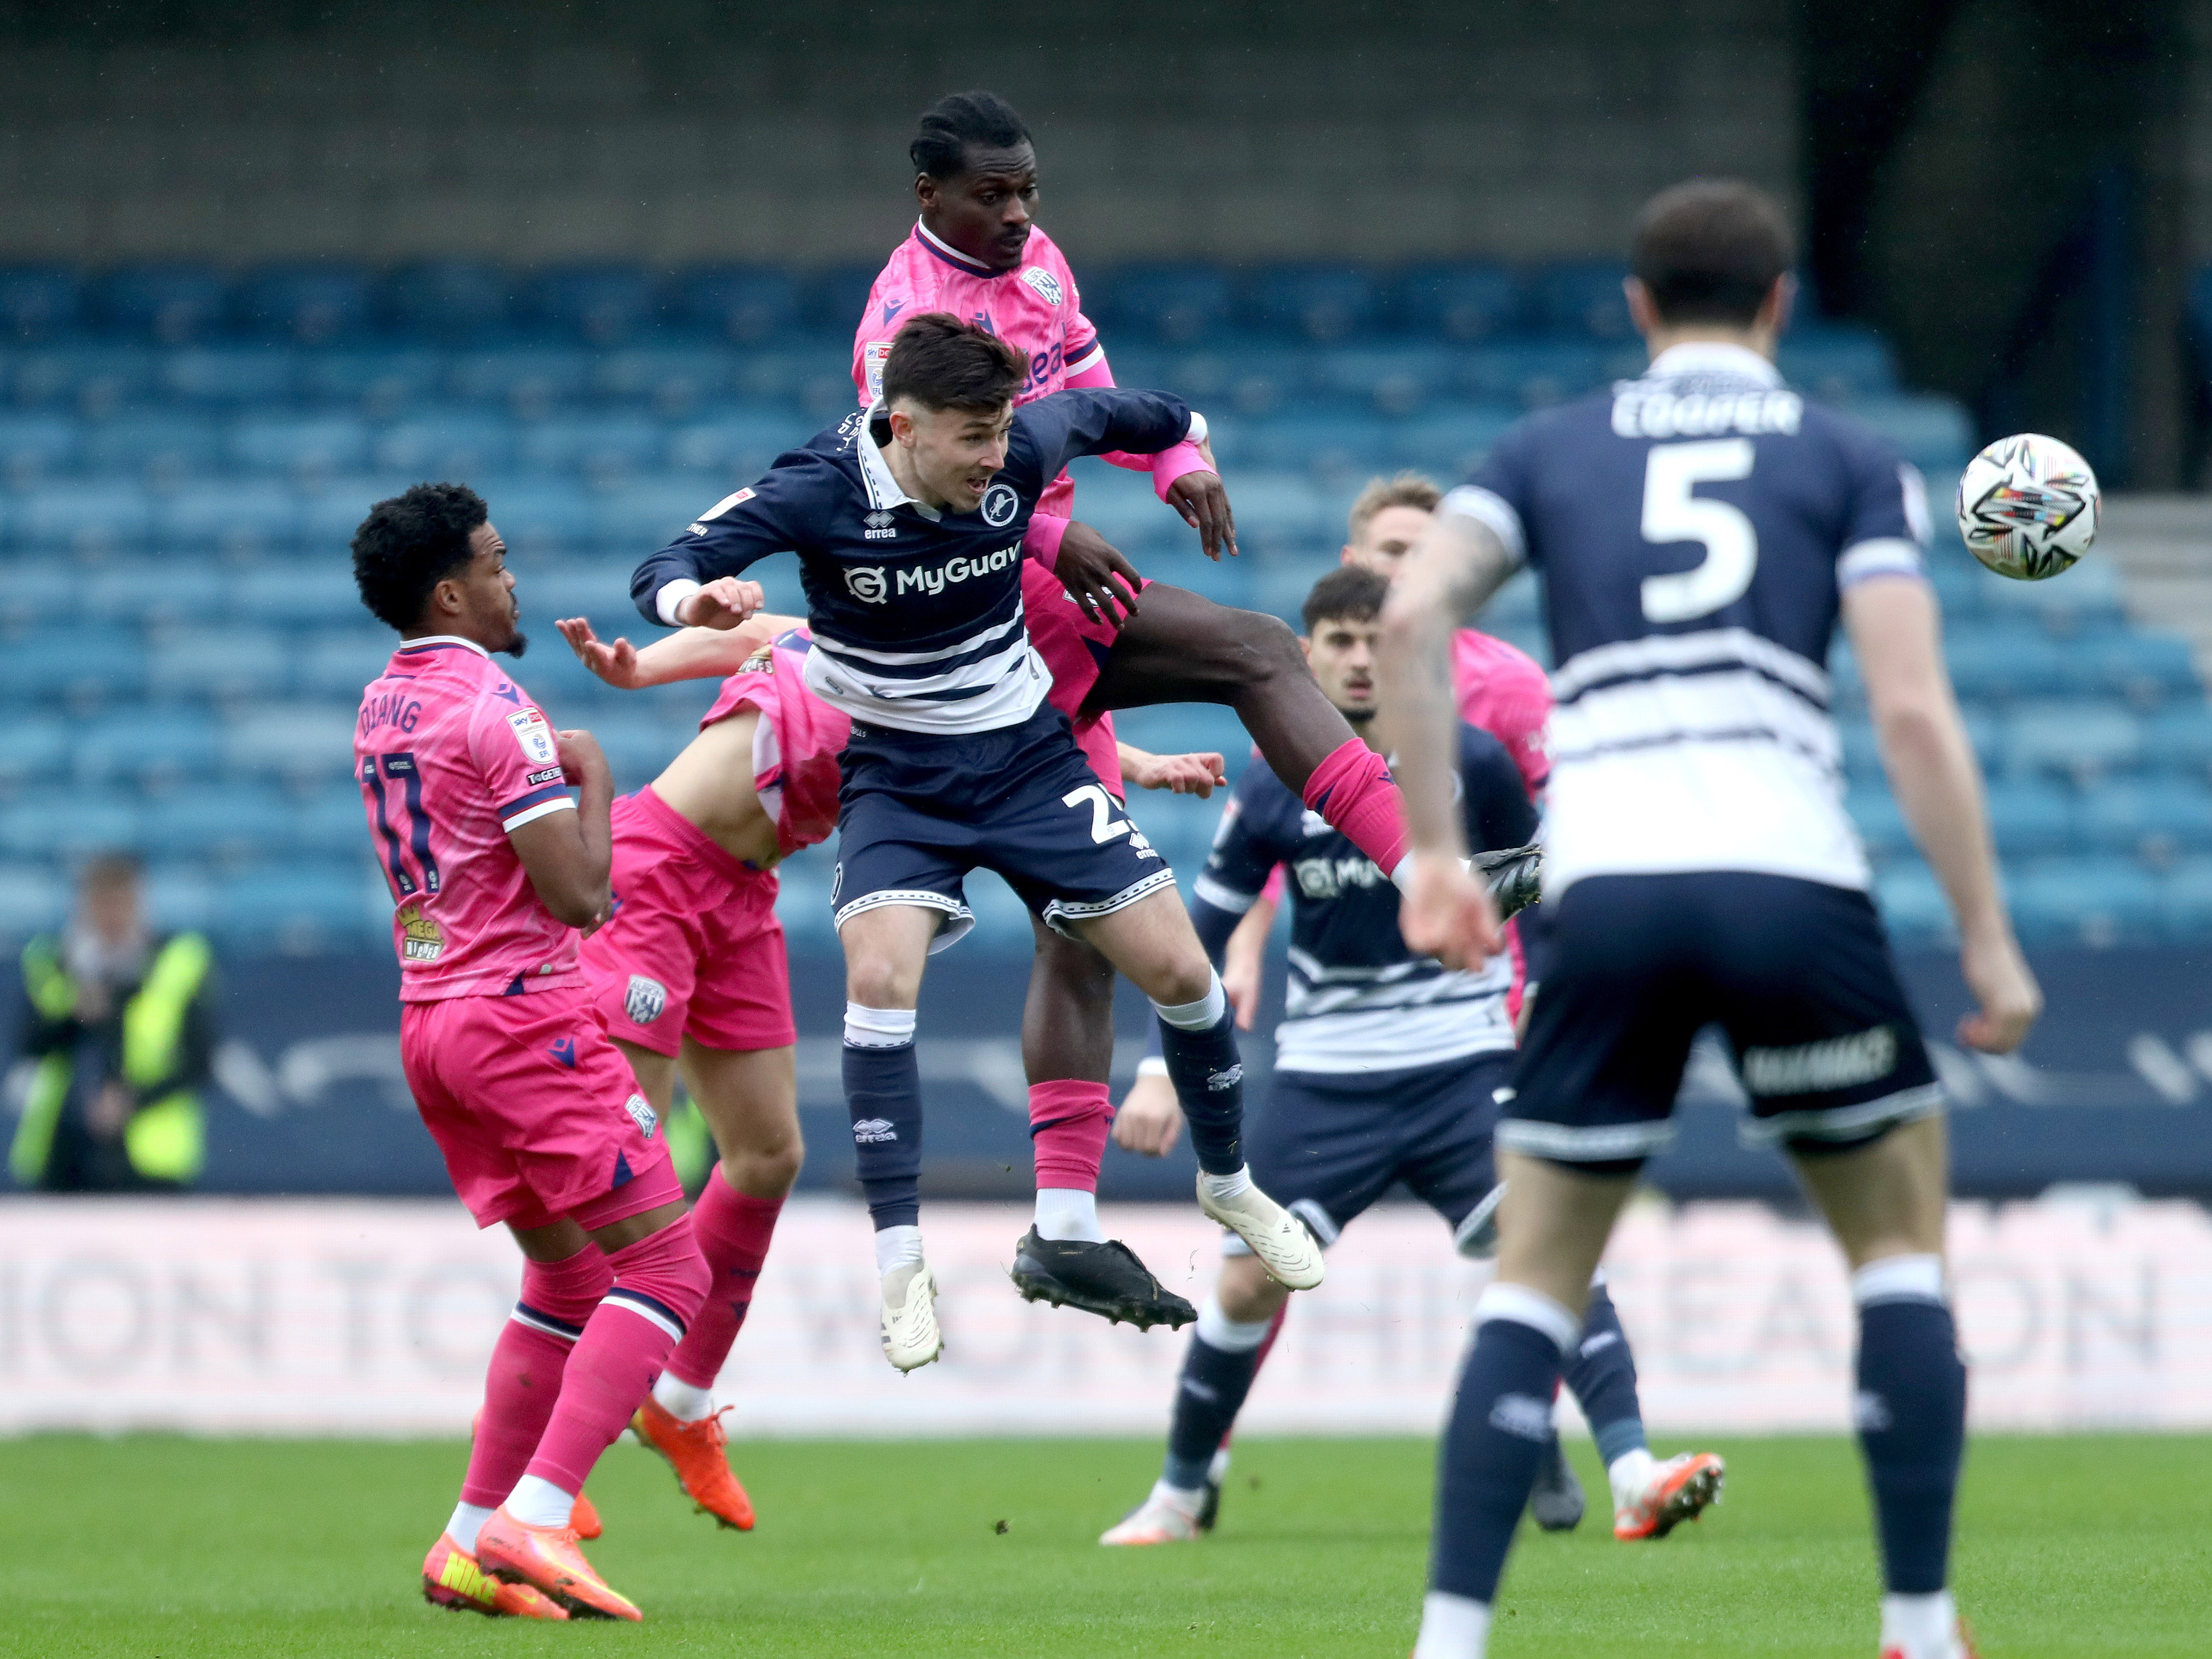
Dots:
{"x": 526, "y": 1366}
{"x": 659, "y": 1282}
{"x": 733, "y": 1232}
{"x": 1352, "y": 791}
{"x": 1069, "y": 1121}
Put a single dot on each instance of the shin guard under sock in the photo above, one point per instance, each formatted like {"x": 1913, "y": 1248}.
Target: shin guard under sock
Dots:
{"x": 1602, "y": 1372}
{"x": 1352, "y": 791}
{"x": 883, "y": 1091}
{"x": 659, "y": 1282}
{"x": 1218, "y": 1370}
{"x": 1068, "y": 1123}
{"x": 1910, "y": 1410}
{"x": 733, "y": 1230}
{"x": 1198, "y": 1042}
{"x": 1494, "y": 1443}
{"x": 527, "y": 1363}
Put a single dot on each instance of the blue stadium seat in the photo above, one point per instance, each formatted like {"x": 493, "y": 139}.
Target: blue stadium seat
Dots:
{"x": 2093, "y": 901}
{"x": 2088, "y": 595}
{"x": 538, "y": 516}
{"x": 1934, "y": 432}
{"x": 338, "y": 664}
{"x": 1394, "y": 378}
{"x": 1247, "y": 378}
{"x": 32, "y": 898}
{"x": 299, "y": 909}
{"x": 1992, "y": 660}
{"x": 160, "y": 443}
{"x": 647, "y": 512}
{"x": 529, "y": 380}
{"x": 2030, "y": 819}
{"x": 738, "y": 445}
{"x": 602, "y": 304}
{"x": 231, "y": 376}
{"x": 33, "y": 749}
{"x": 1582, "y": 297}
{"x": 1531, "y": 371}
{"x": 329, "y": 515}
{"x": 305, "y": 743}
{"x": 31, "y": 443}
{"x": 596, "y": 588}
{"x": 2143, "y": 667}
{"x": 1448, "y": 440}
{"x": 242, "y": 517}
{"x": 1464, "y": 303}
{"x": 311, "y": 304}
{"x": 66, "y": 662}
{"x": 36, "y": 300}
{"x": 1318, "y": 302}
{"x": 158, "y": 592}
{"x": 234, "y": 821}
{"x": 94, "y": 378}
{"x": 447, "y": 443}
{"x": 376, "y": 380}
{"x": 2185, "y": 899}
{"x": 2178, "y": 738}
{"x": 96, "y": 519}
{"x": 330, "y": 822}
{"x": 173, "y": 303}
{"x": 2154, "y": 818}
{"x": 2087, "y": 740}
{"x": 1880, "y": 823}
{"x": 637, "y": 745}
{"x": 179, "y": 897}
{"x": 745, "y": 304}
{"x": 1958, "y": 583}
{"x": 1178, "y": 304}
{"x": 288, "y": 444}
{"x": 674, "y": 380}
{"x": 314, "y": 589}
{"x": 599, "y": 446}
{"x": 1316, "y": 439}
{"x": 831, "y": 300}
{"x": 447, "y": 299}
{"x": 68, "y": 823}
{"x": 1912, "y": 906}
{"x": 1837, "y": 361}
{"x": 1281, "y": 513}
{"x": 230, "y": 662}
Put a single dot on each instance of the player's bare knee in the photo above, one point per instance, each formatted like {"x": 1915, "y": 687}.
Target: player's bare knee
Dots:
{"x": 765, "y": 1171}
{"x": 876, "y": 978}
{"x": 1263, "y": 646}
{"x": 1246, "y": 1295}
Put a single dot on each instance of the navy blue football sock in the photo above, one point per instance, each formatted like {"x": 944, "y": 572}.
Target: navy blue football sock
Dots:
{"x": 1198, "y": 1042}
{"x": 1493, "y": 1445}
{"x": 1911, "y": 1415}
{"x": 1602, "y": 1372}
{"x": 1217, "y": 1374}
{"x": 883, "y": 1091}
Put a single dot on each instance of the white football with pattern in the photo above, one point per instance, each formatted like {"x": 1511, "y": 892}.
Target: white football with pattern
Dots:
{"x": 2028, "y": 506}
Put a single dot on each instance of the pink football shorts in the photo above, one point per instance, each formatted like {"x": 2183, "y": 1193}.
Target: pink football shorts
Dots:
{"x": 693, "y": 947}
{"x": 1075, "y": 648}
{"x": 537, "y": 1113}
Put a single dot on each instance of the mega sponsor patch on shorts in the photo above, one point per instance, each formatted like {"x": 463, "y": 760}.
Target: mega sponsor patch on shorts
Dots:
{"x": 1814, "y": 1068}
{"x": 534, "y": 734}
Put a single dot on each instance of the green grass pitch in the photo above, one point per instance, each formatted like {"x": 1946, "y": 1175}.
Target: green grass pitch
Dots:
{"x": 169, "y": 1548}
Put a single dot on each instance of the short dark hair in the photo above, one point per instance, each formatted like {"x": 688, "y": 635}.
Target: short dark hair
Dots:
{"x": 942, "y": 363}
{"x": 1708, "y": 251}
{"x": 959, "y": 120}
{"x": 106, "y": 871}
{"x": 1351, "y": 592}
{"x": 411, "y": 543}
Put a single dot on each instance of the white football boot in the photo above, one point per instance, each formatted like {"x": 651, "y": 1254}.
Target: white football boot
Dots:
{"x": 1286, "y": 1249}
{"x": 909, "y": 1317}
{"x": 1166, "y": 1517}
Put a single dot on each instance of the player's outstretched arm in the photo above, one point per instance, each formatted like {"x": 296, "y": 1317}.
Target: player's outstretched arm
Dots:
{"x": 567, "y": 855}
{"x": 692, "y": 653}
{"x": 1897, "y": 632}
{"x": 1180, "y": 774}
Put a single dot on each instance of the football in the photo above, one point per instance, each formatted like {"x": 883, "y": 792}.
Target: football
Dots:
{"x": 2028, "y": 507}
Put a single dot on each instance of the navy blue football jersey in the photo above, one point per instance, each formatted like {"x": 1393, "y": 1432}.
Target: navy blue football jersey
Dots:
{"x": 1361, "y": 1000}
{"x": 1694, "y": 531}
{"x": 916, "y": 615}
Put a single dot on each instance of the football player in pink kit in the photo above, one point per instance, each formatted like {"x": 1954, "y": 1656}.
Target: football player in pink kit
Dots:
{"x": 976, "y": 252}
{"x": 494, "y": 869}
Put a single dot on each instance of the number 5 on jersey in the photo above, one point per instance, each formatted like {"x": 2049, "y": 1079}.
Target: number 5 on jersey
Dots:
{"x": 1672, "y": 513}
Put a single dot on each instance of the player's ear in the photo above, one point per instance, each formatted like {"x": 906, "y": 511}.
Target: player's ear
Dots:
{"x": 1347, "y": 556}
{"x": 1305, "y": 645}
{"x": 1641, "y": 311}
{"x": 1774, "y": 309}
{"x": 924, "y": 190}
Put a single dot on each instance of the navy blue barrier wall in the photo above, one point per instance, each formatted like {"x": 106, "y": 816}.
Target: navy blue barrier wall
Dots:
{"x": 2115, "y": 1085}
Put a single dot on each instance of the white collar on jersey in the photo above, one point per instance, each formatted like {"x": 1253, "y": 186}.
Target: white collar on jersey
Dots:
{"x": 953, "y": 254}
{"x": 883, "y": 490}
{"x": 444, "y": 638}
{"x": 1715, "y": 357}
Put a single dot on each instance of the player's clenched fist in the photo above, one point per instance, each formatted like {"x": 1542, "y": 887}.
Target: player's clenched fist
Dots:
{"x": 1447, "y": 914}
{"x": 581, "y": 758}
{"x": 1149, "y": 1120}
{"x": 722, "y": 603}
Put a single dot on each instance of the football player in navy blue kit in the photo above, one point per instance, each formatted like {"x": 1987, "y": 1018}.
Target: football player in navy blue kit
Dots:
{"x": 1697, "y": 532}
{"x": 908, "y": 519}
{"x": 1387, "y": 1066}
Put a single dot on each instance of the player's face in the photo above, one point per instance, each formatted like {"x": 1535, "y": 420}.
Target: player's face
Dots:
{"x": 489, "y": 611}
{"x": 1390, "y": 535}
{"x": 984, "y": 211}
{"x": 956, "y": 453}
{"x": 1341, "y": 652}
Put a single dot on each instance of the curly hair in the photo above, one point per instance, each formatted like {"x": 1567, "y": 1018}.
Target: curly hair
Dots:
{"x": 411, "y": 543}
{"x": 956, "y": 120}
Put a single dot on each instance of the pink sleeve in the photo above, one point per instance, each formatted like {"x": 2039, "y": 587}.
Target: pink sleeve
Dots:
{"x": 1166, "y": 466}
{"x": 1042, "y": 540}
{"x": 519, "y": 758}
{"x": 1272, "y": 890}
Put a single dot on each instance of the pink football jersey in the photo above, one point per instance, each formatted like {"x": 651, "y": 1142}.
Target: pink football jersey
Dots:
{"x": 1034, "y": 308}
{"x": 452, "y": 755}
{"x": 796, "y": 745}
{"x": 1503, "y": 692}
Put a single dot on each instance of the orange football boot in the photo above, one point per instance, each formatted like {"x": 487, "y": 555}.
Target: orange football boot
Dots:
{"x": 698, "y": 1453}
{"x": 584, "y": 1519}
{"x": 451, "y": 1578}
{"x": 550, "y": 1559}
{"x": 1679, "y": 1489}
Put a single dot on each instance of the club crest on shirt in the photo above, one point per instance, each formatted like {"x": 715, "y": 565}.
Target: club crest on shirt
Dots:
{"x": 999, "y": 504}
{"x": 645, "y": 1000}
{"x": 421, "y": 939}
{"x": 868, "y": 583}
{"x": 1046, "y": 284}
{"x": 535, "y": 735}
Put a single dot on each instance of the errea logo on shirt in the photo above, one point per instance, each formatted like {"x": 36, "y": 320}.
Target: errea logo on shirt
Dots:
{"x": 1046, "y": 284}
{"x": 535, "y": 736}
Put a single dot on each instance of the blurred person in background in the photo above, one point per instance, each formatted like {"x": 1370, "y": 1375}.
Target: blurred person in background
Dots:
{"x": 120, "y": 1022}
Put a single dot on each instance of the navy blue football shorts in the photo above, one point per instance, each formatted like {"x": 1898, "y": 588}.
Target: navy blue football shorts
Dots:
{"x": 1328, "y": 1144}
{"x": 1796, "y": 974}
{"x": 917, "y": 812}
